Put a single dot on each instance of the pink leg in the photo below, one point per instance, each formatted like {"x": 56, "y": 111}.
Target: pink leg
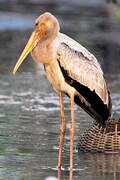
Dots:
{"x": 72, "y": 132}
{"x": 62, "y": 130}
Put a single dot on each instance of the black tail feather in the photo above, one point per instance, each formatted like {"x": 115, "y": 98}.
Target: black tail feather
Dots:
{"x": 89, "y": 100}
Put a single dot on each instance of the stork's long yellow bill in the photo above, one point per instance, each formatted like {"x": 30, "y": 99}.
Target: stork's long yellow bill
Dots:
{"x": 34, "y": 38}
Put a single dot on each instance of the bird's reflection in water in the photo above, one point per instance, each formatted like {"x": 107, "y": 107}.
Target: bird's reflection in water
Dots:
{"x": 70, "y": 172}
{"x": 102, "y": 165}
{"x": 59, "y": 173}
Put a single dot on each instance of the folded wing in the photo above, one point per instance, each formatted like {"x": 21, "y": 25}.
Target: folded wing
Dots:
{"x": 82, "y": 71}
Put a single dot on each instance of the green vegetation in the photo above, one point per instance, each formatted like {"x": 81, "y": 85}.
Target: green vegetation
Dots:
{"x": 117, "y": 15}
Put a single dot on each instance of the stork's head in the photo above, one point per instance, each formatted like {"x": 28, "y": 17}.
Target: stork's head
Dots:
{"x": 46, "y": 27}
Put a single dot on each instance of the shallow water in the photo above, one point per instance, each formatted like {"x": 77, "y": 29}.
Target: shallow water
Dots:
{"x": 29, "y": 131}
{"x": 29, "y": 109}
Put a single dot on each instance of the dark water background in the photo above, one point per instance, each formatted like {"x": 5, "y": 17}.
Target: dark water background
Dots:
{"x": 29, "y": 109}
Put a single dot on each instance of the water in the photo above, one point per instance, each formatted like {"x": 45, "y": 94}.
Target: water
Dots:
{"x": 29, "y": 109}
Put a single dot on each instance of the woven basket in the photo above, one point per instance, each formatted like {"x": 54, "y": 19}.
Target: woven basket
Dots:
{"x": 99, "y": 139}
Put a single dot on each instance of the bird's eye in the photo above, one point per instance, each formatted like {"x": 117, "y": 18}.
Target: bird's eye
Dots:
{"x": 36, "y": 24}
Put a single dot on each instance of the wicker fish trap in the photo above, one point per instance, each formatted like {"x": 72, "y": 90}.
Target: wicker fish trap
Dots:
{"x": 101, "y": 139}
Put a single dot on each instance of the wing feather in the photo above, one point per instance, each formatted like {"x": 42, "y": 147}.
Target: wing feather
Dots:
{"x": 82, "y": 71}
{"x": 82, "y": 66}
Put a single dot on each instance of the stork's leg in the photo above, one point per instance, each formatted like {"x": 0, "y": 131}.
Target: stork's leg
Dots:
{"x": 72, "y": 131}
{"x": 62, "y": 130}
